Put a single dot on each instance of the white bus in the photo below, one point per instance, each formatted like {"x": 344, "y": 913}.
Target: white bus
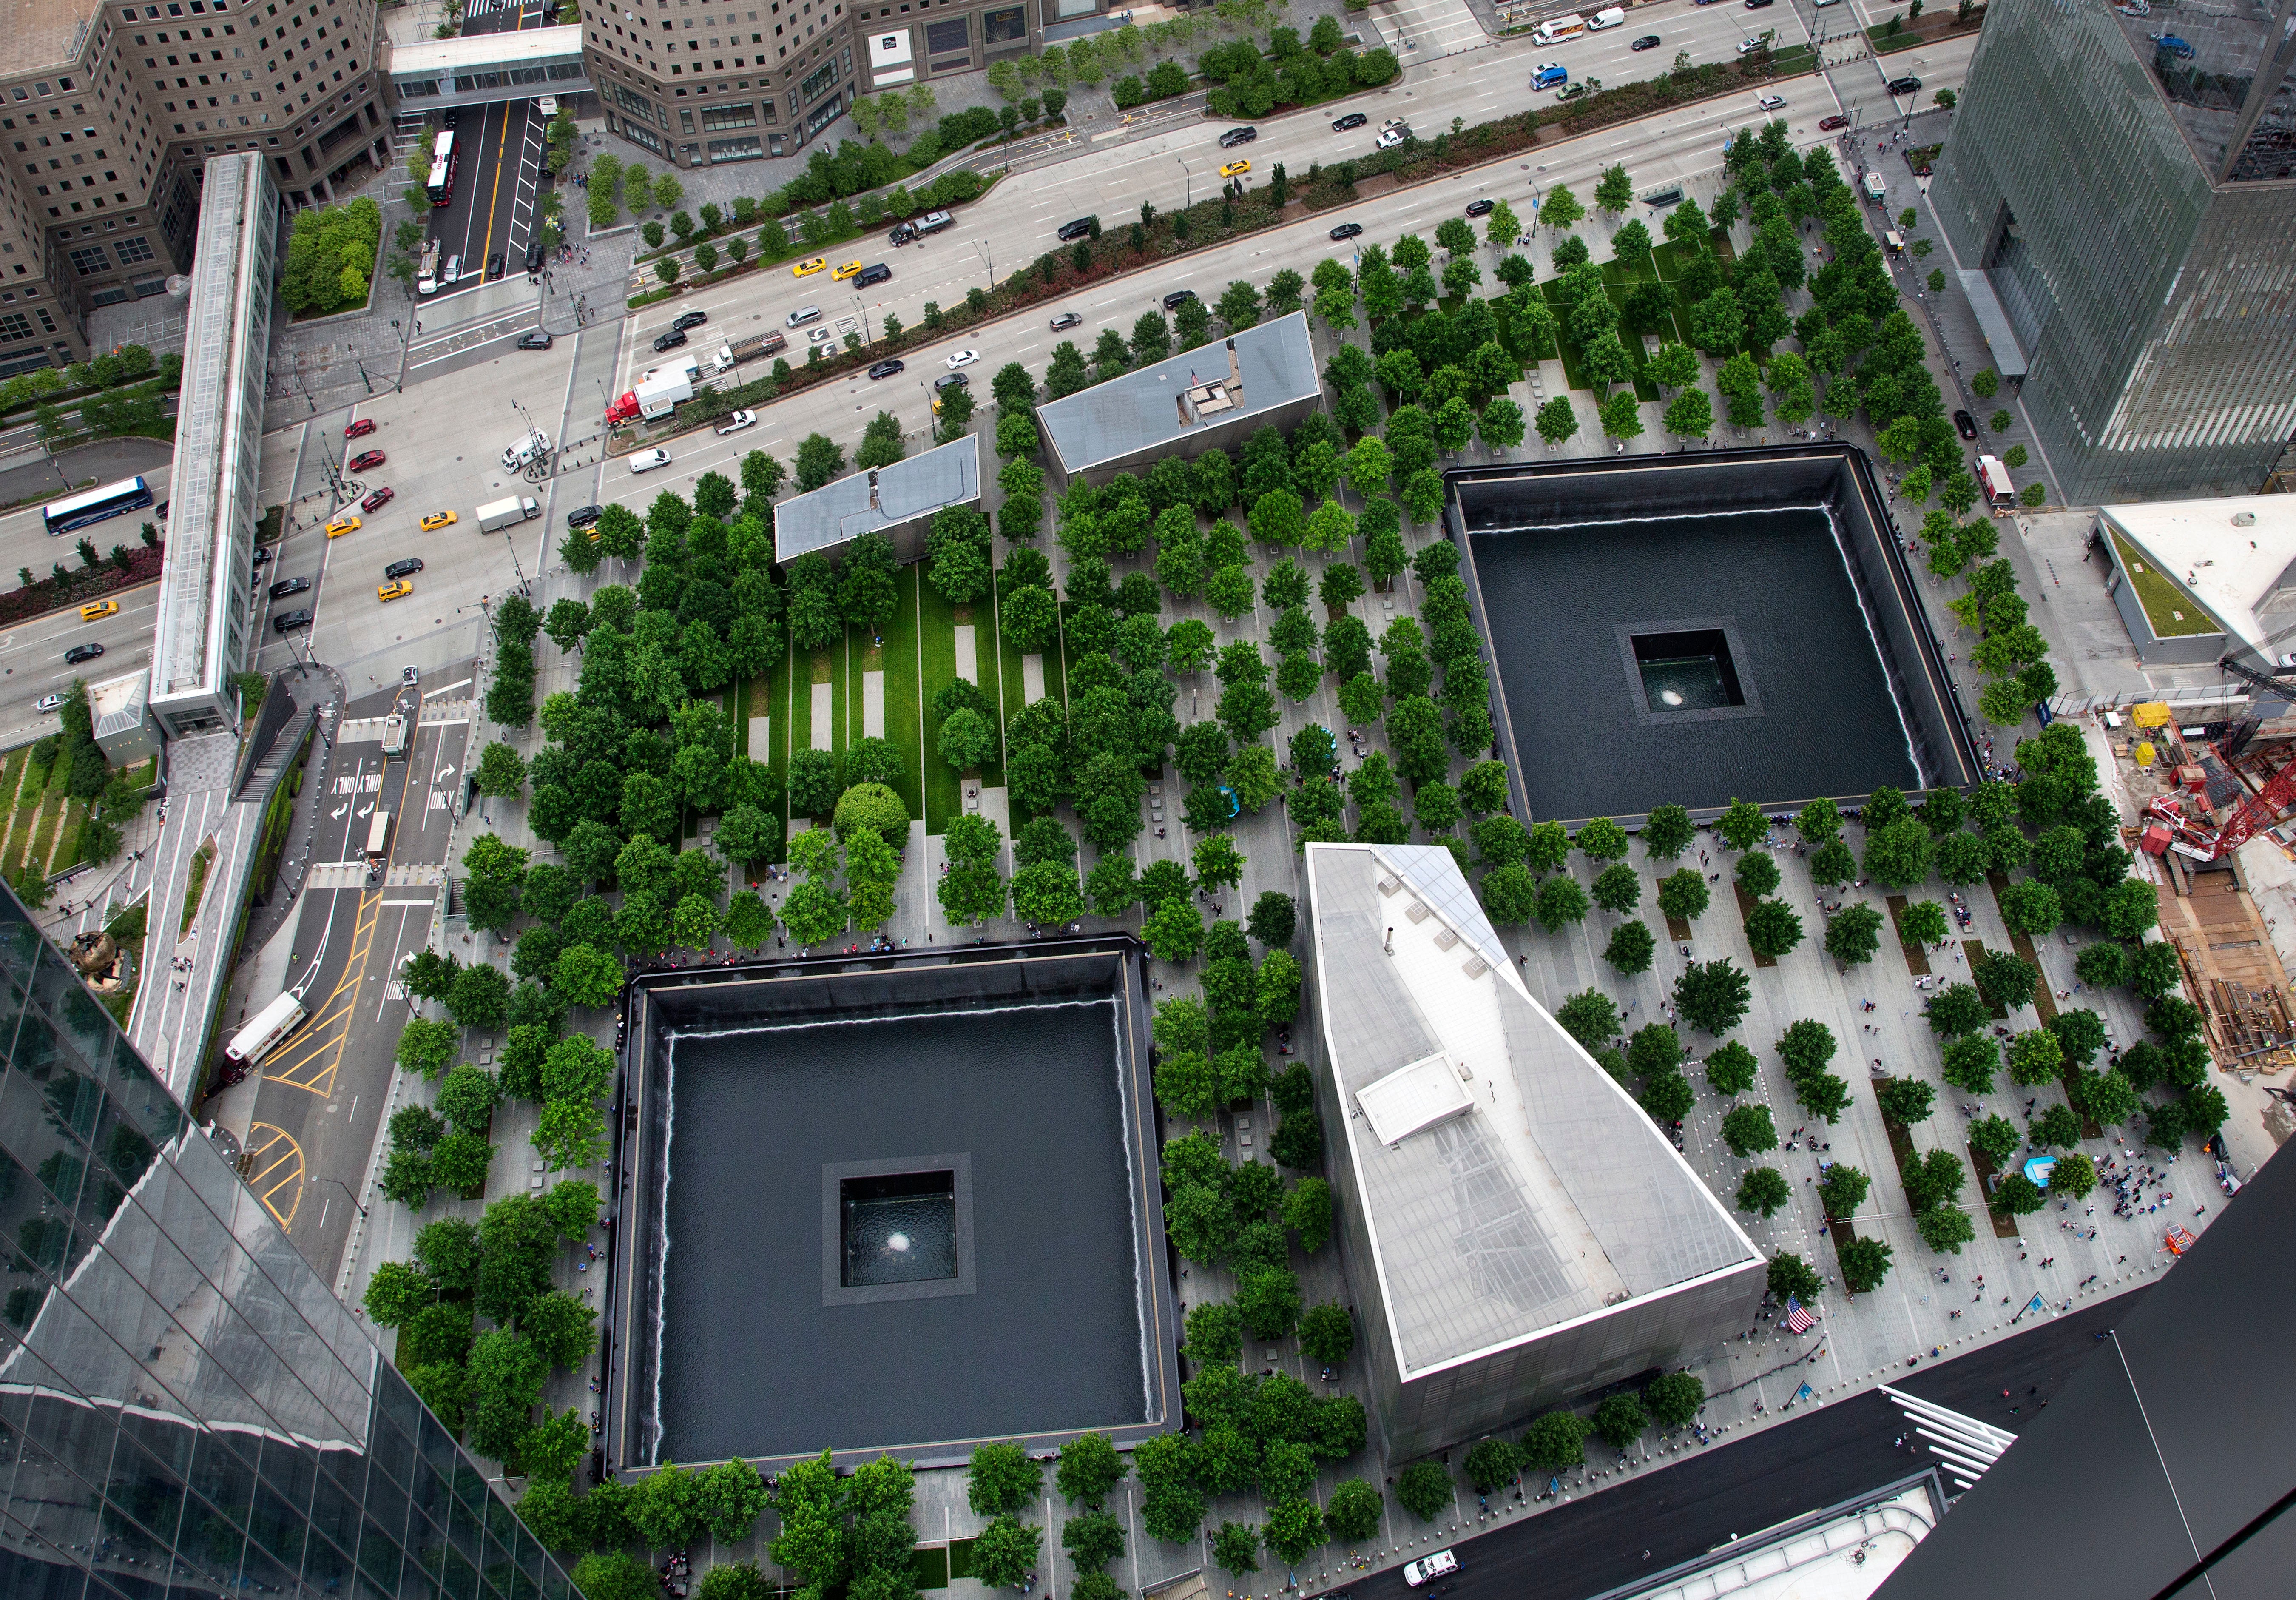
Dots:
{"x": 444, "y": 160}
{"x": 1993, "y": 477}
{"x": 378, "y": 838}
{"x": 272, "y": 1024}
{"x": 112, "y": 500}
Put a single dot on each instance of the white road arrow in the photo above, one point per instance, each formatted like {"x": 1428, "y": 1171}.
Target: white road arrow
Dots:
{"x": 445, "y": 773}
{"x": 337, "y": 811}
{"x": 367, "y": 809}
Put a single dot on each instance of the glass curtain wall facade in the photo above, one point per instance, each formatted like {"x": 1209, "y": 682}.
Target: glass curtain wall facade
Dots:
{"x": 185, "y": 1409}
{"x": 2134, "y": 208}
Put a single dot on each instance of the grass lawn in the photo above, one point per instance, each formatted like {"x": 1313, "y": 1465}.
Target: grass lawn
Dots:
{"x": 898, "y": 660}
{"x": 800, "y": 704}
{"x": 943, "y": 784}
{"x": 2171, "y": 611}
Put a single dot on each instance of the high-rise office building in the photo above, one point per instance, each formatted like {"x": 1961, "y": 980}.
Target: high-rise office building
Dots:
{"x": 184, "y": 1407}
{"x": 2119, "y": 189}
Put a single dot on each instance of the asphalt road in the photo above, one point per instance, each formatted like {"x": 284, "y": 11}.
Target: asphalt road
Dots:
{"x": 319, "y": 1107}
{"x": 493, "y": 209}
{"x": 1597, "y": 1541}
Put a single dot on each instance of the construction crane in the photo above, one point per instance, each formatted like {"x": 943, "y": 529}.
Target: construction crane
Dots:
{"x": 2244, "y": 729}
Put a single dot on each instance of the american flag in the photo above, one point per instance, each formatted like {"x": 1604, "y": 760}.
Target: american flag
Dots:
{"x": 1798, "y": 1319}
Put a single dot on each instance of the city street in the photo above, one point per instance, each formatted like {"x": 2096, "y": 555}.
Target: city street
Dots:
{"x": 492, "y": 212}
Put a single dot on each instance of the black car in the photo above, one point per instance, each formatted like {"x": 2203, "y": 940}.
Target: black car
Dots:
{"x": 1238, "y": 136}
{"x": 404, "y": 568}
{"x": 159, "y": 512}
{"x": 534, "y": 255}
{"x": 1080, "y": 229}
{"x": 536, "y": 340}
{"x": 494, "y": 264}
{"x": 903, "y": 231}
{"x": 688, "y": 319}
{"x": 878, "y": 273}
{"x": 451, "y": 119}
{"x": 1649, "y": 41}
{"x": 1905, "y": 85}
{"x": 1480, "y": 208}
{"x": 1178, "y": 297}
{"x": 262, "y": 555}
{"x": 82, "y": 653}
{"x": 1352, "y": 119}
{"x": 1964, "y": 424}
{"x": 583, "y": 516}
{"x": 287, "y": 622}
{"x": 669, "y": 341}
{"x": 289, "y": 586}
{"x": 885, "y": 369}
{"x": 952, "y": 380}
{"x": 1346, "y": 230}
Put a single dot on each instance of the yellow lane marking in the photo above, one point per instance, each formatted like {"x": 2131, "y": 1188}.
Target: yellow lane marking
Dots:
{"x": 275, "y": 1167}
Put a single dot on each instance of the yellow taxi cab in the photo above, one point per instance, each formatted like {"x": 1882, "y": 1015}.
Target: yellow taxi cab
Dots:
{"x": 394, "y": 591}
{"x": 437, "y": 519}
{"x": 341, "y": 526}
{"x": 850, "y": 269}
{"x": 1235, "y": 168}
{"x": 96, "y": 611}
{"x": 807, "y": 268}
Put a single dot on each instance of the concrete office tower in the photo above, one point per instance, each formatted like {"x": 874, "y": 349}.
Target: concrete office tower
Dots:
{"x": 107, "y": 113}
{"x": 187, "y": 1409}
{"x": 2123, "y": 188}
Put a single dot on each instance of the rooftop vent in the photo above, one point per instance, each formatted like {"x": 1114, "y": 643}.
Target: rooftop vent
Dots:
{"x": 2244, "y": 519}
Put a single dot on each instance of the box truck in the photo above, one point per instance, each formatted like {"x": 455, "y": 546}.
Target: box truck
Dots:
{"x": 502, "y": 514}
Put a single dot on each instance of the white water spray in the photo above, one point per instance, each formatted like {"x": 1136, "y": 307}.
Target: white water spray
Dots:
{"x": 661, "y": 1210}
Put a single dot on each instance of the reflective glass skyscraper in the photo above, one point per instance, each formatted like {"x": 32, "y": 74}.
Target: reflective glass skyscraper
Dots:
{"x": 185, "y": 1409}
{"x": 2125, "y": 178}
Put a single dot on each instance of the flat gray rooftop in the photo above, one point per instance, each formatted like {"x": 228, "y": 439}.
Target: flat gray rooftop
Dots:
{"x": 1141, "y": 409}
{"x": 1550, "y": 1196}
{"x": 922, "y": 486}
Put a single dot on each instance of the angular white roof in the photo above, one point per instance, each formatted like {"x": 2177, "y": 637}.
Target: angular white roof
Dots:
{"x": 2233, "y": 569}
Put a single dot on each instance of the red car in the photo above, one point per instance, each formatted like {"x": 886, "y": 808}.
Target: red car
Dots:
{"x": 377, "y": 500}
{"x": 1829, "y": 124}
{"x": 360, "y": 429}
{"x": 366, "y": 463}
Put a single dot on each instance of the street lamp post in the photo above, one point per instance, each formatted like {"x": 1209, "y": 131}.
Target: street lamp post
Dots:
{"x": 1188, "y": 187}
{"x": 345, "y": 1188}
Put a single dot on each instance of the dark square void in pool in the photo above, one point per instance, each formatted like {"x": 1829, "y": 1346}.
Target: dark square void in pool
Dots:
{"x": 993, "y": 1140}
{"x": 1748, "y": 620}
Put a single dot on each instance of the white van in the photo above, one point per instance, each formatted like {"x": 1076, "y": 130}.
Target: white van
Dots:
{"x": 1442, "y": 1564}
{"x": 1555, "y": 29}
{"x": 802, "y": 316}
{"x": 645, "y": 461}
{"x": 1610, "y": 17}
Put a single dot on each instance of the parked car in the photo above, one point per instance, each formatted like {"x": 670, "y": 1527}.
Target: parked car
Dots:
{"x": 82, "y": 653}
{"x": 452, "y": 272}
{"x": 1480, "y": 208}
{"x": 1348, "y": 230}
{"x": 1826, "y": 125}
{"x": 289, "y": 586}
{"x": 1178, "y": 297}
{"x": 367, "y": 462}
{"x": 393, "y": 591}
{"x": 1238, "y": 136}
{"x": 1353, "y": 119}
{"x": 886, "y": 368}
{"x": 736, "y": 423}
{"x": 1905, "y": 85}
{"x": 96, "y": 610}
{"x": 159, "y": 512}
{"x": 403, "y": 569}
{"x": 1964, "y": 424}
{"x": 1066, "y": 320}
{"x": 669, "y": 341}
{"x": 538, "y": 339}
{"x": 378, "y": 500}
{"x": 1235, "y": 168}
{"x": 957, "y": 358}
{"x": 287, "y": 622}
{"x": 534, "y": 256}
{"x": 1649, "y": 41}
{"x": 583, "y": 516}
{"x": 688, "y": 319}
{"x": 1080, "y": 229}
{"x": 437, "y": 519}
{"x": 645, "y": 461}
{"x": 952, "y": 380}
{"x": 1770, "y": 102}
{"x": 360, "y": 429}
{"x": 263, "y": 556}
{"x": 341, "y": 526}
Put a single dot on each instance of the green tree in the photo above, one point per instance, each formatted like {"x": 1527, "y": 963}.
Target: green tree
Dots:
{"x": 1001, "y": 1479}
{"x": 1424, "y": 1488}
{"x": 1005, "y": 1552}
{"x": 1763, "y": 1190}
{"x": 1674, "y": 1397}
{"x": 1235, "y": 1548}
{"x": 1713, "y": 996}
{"x": 1865, "y": 1264}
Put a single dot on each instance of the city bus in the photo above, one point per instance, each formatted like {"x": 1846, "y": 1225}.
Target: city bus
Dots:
{"x": 378, "y": 838}
{"x": 1994, "y": 479}
{"x": 442, "y": 170}
{"x": 112, "y": 500}
{"x": 271, "y": 1025}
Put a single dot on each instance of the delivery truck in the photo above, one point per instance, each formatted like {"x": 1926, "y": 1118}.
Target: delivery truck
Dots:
{"x": 502, "y": 514}
{"x": 733, "y": 352}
